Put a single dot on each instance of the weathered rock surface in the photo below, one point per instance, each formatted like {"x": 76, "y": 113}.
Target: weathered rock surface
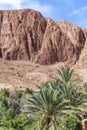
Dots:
{"x": 82, "y": 62}
{"x": 27, "y": 35}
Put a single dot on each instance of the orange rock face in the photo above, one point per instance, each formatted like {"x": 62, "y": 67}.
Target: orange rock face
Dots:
{"x": 27, "y": 35}
{"x": 84, "y": 124}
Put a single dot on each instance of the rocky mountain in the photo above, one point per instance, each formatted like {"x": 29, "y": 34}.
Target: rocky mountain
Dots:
{"x": 27, "y": 35}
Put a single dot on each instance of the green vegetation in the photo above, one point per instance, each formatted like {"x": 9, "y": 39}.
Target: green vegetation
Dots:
{"x": 59, "y": 104}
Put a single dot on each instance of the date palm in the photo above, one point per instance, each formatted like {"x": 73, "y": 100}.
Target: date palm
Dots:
{"x": 69, "y": 86}
{"x": 75, "y": 96}
{"x": 45, "y": 106}
{"x": 48, "y": 104}
{"x": 66, "y": 75}
{"x": 54, "y": 98}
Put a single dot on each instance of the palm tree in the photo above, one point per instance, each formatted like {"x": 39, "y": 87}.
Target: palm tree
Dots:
{"x": 45, "y": 106}
{"x": 53, "y": 99}
{"x": 50, "y": 102}
{"x": 75, "y": 96}
{"x": 66, "y": 75}
{"x": 69, "y": 85}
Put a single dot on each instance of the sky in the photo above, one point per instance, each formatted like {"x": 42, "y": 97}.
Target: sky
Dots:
{"x": 74, "y": 11}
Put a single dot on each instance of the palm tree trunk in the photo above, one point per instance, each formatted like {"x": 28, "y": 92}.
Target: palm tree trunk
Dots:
{"x": 54, "y": 124}
{"x": 54, "y": 127}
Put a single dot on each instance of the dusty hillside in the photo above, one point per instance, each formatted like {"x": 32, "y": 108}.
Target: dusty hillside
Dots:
{"x": 22, "y": 74}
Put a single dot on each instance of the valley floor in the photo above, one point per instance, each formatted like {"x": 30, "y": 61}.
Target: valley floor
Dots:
{"x": 22, "y": 74}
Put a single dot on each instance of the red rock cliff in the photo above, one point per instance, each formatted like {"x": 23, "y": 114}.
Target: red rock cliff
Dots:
{"x": 27, "y": 35}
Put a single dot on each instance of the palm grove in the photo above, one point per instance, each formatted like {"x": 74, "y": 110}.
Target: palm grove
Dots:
{"x": 58, "y": 104}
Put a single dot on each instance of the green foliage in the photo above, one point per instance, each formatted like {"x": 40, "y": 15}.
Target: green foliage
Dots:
{"x": 5, "y": 128}
{"x": 66, "y": 75}
{"x": 10, "y": 119}
{"x": 44, "y": 106}
{"x": 21, "y": 121}
{"x": 55, "y": 105}
{"x": 69, "y": 122}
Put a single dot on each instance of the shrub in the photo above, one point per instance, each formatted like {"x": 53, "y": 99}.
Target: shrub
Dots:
{"x": 69, "y": 122}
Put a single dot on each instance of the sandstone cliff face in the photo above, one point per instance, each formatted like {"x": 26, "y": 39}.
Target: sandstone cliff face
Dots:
{"x": 75, "y": 34}
{"x": 27, "y": 35}
{"x": 56, "y": 46}
{"x": 82, "y": 62}
{"x": 21, "y": 34}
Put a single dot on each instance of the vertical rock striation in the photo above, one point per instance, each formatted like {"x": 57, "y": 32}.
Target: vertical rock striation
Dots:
{"x": 27, "y": 35}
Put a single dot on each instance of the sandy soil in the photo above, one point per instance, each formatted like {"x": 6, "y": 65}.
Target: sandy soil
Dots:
{"x": 22, "y": 74}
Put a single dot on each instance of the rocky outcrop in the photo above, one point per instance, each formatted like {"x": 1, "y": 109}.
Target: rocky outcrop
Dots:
{"x": 27, "y": 35}
{"x": 75, "y": 34}
{"x": 21, "y": 34}
{"x": 82, "y": 62}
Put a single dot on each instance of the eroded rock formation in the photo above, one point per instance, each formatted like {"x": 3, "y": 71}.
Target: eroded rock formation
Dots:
{"x": 27, "y": 35}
